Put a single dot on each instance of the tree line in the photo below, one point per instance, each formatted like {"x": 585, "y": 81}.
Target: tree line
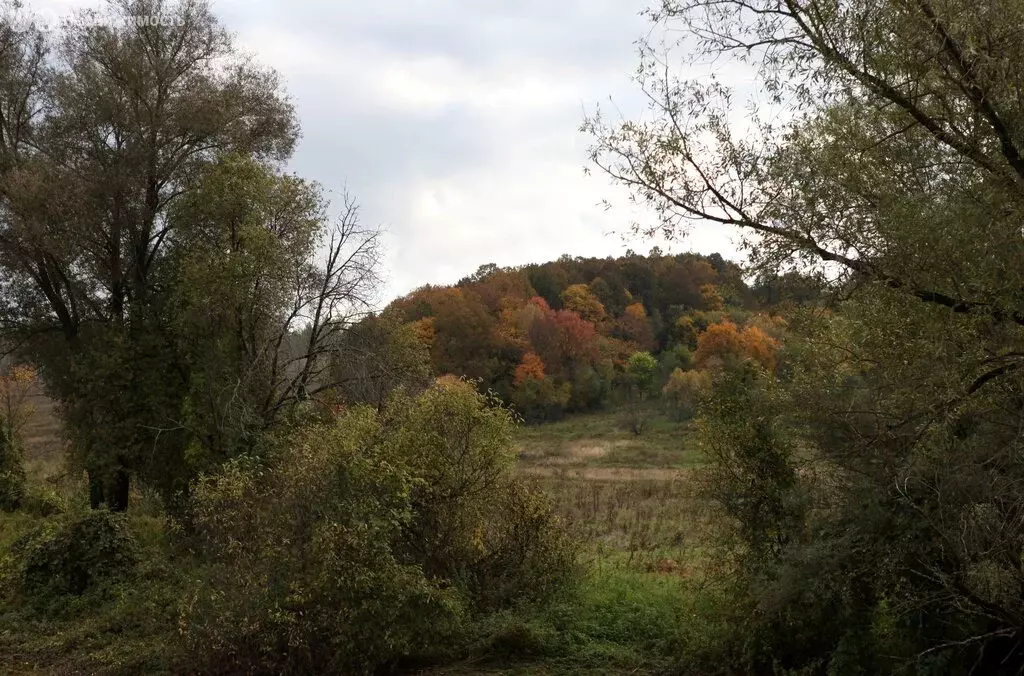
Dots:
{"x": 557, "y": 337}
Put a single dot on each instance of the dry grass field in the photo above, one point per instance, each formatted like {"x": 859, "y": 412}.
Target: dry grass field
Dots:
{"x": 42, "y": 435}
{"x": 634, "y": 504}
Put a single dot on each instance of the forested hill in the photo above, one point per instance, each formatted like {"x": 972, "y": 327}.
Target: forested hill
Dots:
{"x": 554, "y": 337}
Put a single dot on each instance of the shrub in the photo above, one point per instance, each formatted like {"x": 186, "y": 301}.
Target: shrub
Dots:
{"x": 69, "y": 556}
{"x": 684, "y": 391}
{"x": 373, "y": 538}
{"x": 471, "y": 520}
{"x": 43, "y": 501}
{"x": 541, "y": 399}
{"x": 590, "y": 386}
{"x": 12, "y": 484}
{"x": 12, "y": 473}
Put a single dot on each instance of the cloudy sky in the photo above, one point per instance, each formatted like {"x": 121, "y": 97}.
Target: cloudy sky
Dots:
{"x": 455, "y": 122}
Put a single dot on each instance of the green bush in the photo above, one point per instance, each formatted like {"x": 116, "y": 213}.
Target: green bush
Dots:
{"x": 12, "y": 474}
{"x": 69, "y": 556}
{"x": 472, "y": 522}
{"x": 43, "y": 501}
{"x": 380, "y": 536}
{"x": 541, "y": 399}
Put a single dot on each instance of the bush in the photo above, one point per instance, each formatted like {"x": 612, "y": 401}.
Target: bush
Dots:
{"x": 380, "y": 536}
{"x": 12, "y": 474}
{"x": 590, "y": 386}
{"x": 541, "y": 399}
{"x": 684, "y": 391}
{"x": 70, "y": 556}
{"x": 43, "y": 501}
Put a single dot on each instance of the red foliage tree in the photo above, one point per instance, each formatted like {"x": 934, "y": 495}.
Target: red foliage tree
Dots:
{"x": 577, "y": 338}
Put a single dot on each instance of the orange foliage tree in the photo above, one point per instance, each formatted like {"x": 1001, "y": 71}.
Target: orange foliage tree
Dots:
{"x": 724, "y": 342}
{"x": 531, "y": 367}
{"x": 577, "y": 338}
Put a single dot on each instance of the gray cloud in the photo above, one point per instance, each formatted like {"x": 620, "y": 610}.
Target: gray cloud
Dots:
{"x": 454, "y": 122}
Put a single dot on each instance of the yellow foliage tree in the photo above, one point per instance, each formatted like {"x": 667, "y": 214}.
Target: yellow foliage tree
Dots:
{"x": 423, "y": 329}
{"x": 685, "y": 390}
{"x": 711, "y": 297}
{"x": 580, "y": 299}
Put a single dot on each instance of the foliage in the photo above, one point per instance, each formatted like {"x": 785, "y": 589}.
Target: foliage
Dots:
{"x": 582, "y": 318}
{"x": 70, "y": 555}
{"x": 12, "y": 475}
{"x": 725, "y": 343}
{"x": 14, "y": 413}
{"x": 636, "y": 384}
{"x": 635, "y": 327}
{"x": 189, "y": 292}
{"x": 15, "y": 387}
{"x": 580, "y": 299}
{"x": 89, "y": 286}
{"x": 887, "y": 164}
{"x": 641, "y": 368}
{"x": 376, "y": 357}
{"x": 530, "y": 368}
{"x": 123, "y": 622}
{"x": 751, "y": 475}
{"x": 685, "y": 390}
{"x": 370, "y": 538}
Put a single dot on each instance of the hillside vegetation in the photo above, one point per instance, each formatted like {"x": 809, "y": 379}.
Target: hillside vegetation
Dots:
{"x": 557, "y": 337}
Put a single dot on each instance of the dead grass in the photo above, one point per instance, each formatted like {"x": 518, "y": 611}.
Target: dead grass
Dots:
{"x": 603, "y": 439}
{"x": 632, "y": 499}
{"x": 42, "y": 438}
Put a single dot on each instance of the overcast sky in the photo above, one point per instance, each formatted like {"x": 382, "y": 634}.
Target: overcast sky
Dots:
{"x": 455, "y": 122}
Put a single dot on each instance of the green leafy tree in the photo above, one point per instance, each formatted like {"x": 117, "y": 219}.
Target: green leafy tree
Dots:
{"x": 637, "y": 383}
{"x": 891, "y": 165}
{"x": 142, "y": 262}
{"x": 264, "y": 289}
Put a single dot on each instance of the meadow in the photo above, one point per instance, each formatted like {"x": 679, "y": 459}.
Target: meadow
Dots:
{"x": 629, "y": 499}
{"x": 633, "y": 502}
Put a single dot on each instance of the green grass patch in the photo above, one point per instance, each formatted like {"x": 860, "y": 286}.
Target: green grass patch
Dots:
{"x": 619, "y": 620}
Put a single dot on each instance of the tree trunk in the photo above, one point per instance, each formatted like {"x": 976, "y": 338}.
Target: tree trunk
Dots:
{"x": 110, "y": 488}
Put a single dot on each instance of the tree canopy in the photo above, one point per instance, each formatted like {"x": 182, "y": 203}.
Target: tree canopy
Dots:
{"x": 885, "y": 160}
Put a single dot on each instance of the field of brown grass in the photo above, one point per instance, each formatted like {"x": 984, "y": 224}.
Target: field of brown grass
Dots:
{"x": 41, "y": 436}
